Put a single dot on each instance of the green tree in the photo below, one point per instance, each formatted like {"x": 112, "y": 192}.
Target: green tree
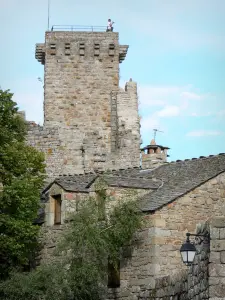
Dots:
{"x": 21, "y": 178}
{"x": 79, "y": 272}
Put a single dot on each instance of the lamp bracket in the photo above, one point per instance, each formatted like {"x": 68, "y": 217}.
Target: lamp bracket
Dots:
{"x": 199, "y": 238}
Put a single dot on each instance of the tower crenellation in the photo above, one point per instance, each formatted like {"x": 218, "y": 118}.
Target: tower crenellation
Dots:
{"x": 93, "y": 123}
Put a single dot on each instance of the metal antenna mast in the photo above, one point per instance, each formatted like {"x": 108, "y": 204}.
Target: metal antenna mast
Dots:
{"x": 156, "y": 130}
{"x": 48, "y": 13}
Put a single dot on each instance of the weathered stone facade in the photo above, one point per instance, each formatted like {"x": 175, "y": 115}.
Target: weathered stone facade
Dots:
{"x": 217, "y": 259}
{"x": 151, "y": 268}
{"x": 90, "y": 123}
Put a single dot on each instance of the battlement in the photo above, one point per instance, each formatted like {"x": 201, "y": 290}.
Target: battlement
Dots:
{"x": 79, "y": 44}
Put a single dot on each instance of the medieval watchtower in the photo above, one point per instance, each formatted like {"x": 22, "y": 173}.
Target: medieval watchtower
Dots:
{"x": 90, "y": 123}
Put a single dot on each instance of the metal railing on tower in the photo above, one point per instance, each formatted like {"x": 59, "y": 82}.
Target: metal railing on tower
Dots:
{"x": 78, "y": 28}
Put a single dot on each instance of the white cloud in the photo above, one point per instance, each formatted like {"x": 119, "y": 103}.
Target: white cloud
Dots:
{"x": 32, "y": 104}
{"x": 149, "y": 123}
{"x": 192, "y": 96}
{"x": 171, "y": 101}
{"x": 221, "y": 113}
{"x": 169, "y": 111}
{"x": 28, "y": 93}
{"x": 183, "y": 24}
{"x": 199, "y": 133}
{"x": 207, "y": 114}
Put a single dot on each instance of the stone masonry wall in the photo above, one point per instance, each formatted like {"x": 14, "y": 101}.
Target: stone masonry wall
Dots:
{"x": 217, "y": 259}
{"x": 198, "y": 275}
{"x": 47, "y": 141}
{"x": 191, "y": 283}
{"x": 172, "y": 221}
{"x": 96, "y": 121}
{"x": 157, "y": 252}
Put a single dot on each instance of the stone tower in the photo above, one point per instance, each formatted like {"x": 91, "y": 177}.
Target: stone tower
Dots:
{"x": 90, "y": 123}
{"x": 153, "y": 155}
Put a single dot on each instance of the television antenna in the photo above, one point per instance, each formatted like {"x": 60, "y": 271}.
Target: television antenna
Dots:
{"x": 48, "y": 13}
{"x": 155, "y": 131}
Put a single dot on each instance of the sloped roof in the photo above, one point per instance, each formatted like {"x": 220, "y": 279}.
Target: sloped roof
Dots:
{"x": 130, "y": 178}
{"x": 180, "y": 177}
{"x": 168, "y": 182}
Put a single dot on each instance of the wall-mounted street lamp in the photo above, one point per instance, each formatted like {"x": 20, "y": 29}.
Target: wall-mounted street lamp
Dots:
{"x": 188, "y": 249}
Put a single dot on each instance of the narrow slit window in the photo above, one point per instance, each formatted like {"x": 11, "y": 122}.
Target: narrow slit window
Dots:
{"x": 111, "y": 49}
{"x": 67, "y": 49}
{"x": 111, "y": 46}
{"x": 96, "y": 49}
{"x": 97, "y": 46}
{"x": 53, "y": 49}
{"x": 67, "y": 46}
{"x": 53, "y": 46}
{"x": 58, "y": 210}
{"x": 82, "y": 49}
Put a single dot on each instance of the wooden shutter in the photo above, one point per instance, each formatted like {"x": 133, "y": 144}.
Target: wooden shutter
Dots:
{"x": 58, "y": 209}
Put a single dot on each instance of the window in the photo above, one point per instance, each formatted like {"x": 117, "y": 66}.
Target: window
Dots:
{"x": 53, "y": 46}
{"x": 53, "y": 49}
{"x": 111, "y": 49}
{"x": 58, "y": 204}
{"x": 82, "y": 49}
{"x": 67, "y": 49}
{"x": 113, "y": 274}
{"x": 96, "y": 49}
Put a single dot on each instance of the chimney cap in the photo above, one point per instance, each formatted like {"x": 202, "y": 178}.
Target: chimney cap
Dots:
{"x": 152, "y": 142}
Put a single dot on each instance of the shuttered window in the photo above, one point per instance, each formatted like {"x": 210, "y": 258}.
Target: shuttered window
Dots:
{"x": 58, "y": 205}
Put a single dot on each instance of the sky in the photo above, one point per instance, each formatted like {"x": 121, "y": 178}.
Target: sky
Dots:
{"x": 176, "y": 55}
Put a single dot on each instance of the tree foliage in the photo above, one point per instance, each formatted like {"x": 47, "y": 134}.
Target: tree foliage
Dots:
{"x": 21, "y": 178}
{"x": 79, "y": 272}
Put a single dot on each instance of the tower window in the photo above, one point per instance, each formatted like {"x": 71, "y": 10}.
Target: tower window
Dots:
{"x": 97, "y": 46}
{"x": 82, "y": 48}
{"x": 53, "y": 49}
{"x": 58, "y": 209}
{"x": 52, "y": 46}
{"x": 67, "y": 49}
{"x": 111, "y": 46}
{"x": 96, "y": 49}
{"x": 111, "y": 49}
{"x": 67, "y": 46}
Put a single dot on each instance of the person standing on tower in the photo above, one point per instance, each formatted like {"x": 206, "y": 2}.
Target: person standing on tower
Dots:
{"x": 110, "y": 25}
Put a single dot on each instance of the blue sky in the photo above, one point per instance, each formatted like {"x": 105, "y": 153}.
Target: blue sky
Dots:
{"x": 176, "y": 54}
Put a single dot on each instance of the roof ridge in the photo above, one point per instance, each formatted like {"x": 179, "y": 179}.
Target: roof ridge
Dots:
{"x": 197, "y": 158}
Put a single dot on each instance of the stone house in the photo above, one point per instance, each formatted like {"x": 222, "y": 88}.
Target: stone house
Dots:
{"x": 174, "y": 199}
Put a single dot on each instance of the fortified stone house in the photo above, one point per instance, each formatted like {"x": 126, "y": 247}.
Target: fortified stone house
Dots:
{"x": 91, "y": 130}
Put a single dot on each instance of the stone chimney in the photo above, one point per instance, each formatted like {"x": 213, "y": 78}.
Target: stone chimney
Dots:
{"x": 153, "y": 155}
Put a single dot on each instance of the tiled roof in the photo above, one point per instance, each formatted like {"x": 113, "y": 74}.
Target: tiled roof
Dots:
{"x": 130, "y": 178}
{"x": 168, "y": 181}
{"x": 178, "y": 178}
